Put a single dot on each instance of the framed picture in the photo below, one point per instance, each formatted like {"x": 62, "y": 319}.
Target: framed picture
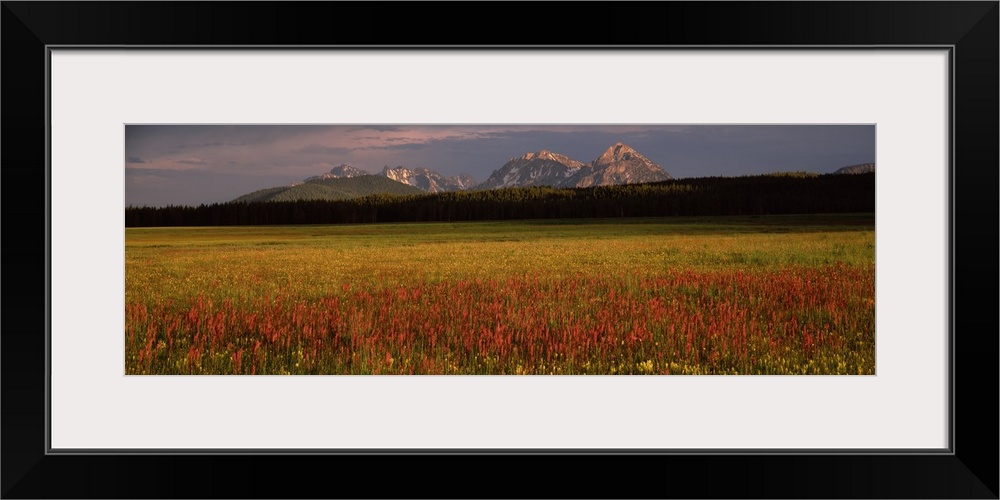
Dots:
{"x": 921, "y": 76}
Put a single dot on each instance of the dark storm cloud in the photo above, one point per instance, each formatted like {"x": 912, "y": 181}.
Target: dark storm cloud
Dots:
{"x": 135, "y": 159}
{"x": 192, "y": 162}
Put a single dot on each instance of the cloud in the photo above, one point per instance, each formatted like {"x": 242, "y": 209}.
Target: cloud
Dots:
{"x": 377, "y": 128}
{"x": 411, "y": 146}
{"x": 319, "y": 149}
{"x": 192, "y": 161}
{"x": 135, "y": 159}
{"x": 214, "y": 144}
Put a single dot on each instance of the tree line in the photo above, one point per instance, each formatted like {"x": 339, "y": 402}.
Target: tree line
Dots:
{"x": 751, "y": 195}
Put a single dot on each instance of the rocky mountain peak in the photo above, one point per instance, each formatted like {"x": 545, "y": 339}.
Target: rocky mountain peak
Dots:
{"x": 427, "y": 179}
{"x": 540, "y": 155}
{"x": 618, "y": 152}
{"x": 340, "y": 171}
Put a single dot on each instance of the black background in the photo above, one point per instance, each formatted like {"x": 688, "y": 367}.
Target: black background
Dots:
{"x": 971, "y": 472}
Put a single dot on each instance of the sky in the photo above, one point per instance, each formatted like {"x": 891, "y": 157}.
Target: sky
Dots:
{"x": 195, "y": 164}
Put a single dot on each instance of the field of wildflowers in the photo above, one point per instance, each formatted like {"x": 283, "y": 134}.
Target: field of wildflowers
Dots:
{"x": 738, "y": 295}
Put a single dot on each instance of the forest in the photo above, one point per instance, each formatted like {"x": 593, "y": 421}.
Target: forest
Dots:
{"x": 771, "y": 194}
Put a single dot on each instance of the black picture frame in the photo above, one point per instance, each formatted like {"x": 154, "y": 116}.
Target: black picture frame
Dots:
{"x": 969, "y": 470}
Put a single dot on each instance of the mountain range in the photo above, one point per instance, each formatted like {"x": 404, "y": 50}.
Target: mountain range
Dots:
{"x": 619, "y": 164}
{"x": 427, "y": 179}
{"x": 422, "y": 178}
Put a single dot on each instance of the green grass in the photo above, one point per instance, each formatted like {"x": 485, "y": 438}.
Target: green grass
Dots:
{"x": 313, "y": 261}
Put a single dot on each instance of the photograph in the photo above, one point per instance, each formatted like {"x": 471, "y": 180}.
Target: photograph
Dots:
{"x": 383, "y": 249}
{"x": 272, "y": 237}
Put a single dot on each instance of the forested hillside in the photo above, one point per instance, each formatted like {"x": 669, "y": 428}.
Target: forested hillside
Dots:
{"x": 751, "y": 195}
{"x": 330, "y": 189}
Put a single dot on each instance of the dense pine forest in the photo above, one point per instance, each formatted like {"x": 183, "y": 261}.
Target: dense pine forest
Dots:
{"x": 789, "y": 193}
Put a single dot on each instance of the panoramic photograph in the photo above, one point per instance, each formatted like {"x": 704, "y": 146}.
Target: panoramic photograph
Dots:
{"x": 398, "y": 249}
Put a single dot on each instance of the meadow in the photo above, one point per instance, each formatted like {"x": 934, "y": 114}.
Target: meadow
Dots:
{"x": 679, "y": 295}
